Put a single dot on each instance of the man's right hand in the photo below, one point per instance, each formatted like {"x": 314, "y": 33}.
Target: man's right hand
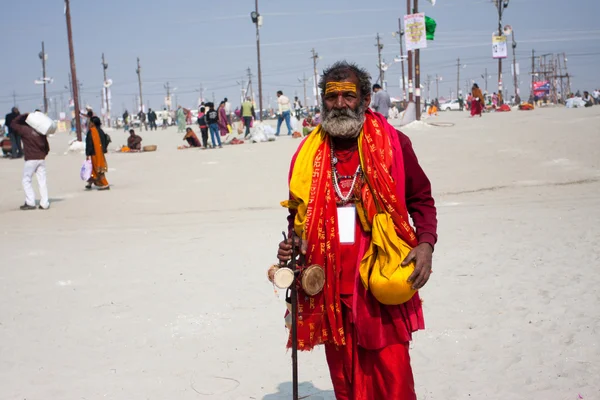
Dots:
{"x": 284, "y": 254}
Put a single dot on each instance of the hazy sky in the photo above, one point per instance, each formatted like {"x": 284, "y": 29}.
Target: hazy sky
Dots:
{"x": 192, "y": 42}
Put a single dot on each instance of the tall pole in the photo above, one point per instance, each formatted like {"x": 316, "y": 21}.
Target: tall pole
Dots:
{"x": 499, "y": 34}
{"x": 515, "y": 78}
{"x": 410, "y": 60}
{"x": 437, "y": 86}
{"x": 379, "y": 48}
{"x": 401, "y": 35}
{"x": 303, "y": 80}
{"x": 567, "y": 74}
{"x": 315, "y": 57}
{"x": 532, "y": 93}
{"x": 502, "y": 4}
{"x": 14, "y": 96}
{"x": 260, "y": 99}
{"x": 417, "y": 72}
{"x": 249, "y": 72}
{"x": 486, "y": 80}
{"x": 73, "y": 70}
{"x": 139, "y": 74}
{"x": 106, "y": 99}
{"x": 457, "y": 76}
{"x": 428, "y": 88}
{"x": 168, "y": 87}
{"x": 43, "y": 57}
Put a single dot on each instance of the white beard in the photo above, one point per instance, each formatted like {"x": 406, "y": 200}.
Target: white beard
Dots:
{"x": 344, "y": 124}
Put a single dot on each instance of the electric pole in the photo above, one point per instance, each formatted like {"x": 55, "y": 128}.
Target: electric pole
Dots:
{"x": 532, "y": 93}
{"x": 457, "y": 77}
{"x": 249, "y": 88}
{"x": 43, "y": 57}
{"x": 486, "y": 79}
{"x": 428, "y": 87}
{"x": 106, "y": 96}
{"x": 515, "y": 76}
{"x": 139, "y": 74}
{"x": 501, "y": 4}
{"x": 303, "y": 81}
{"x": 315, "y": 57}
{"x": 14, "y": 96}
{"x": 410, "y": 61}
{"x": 567, "y": 74}
{"x": 417, "y": 71}
{"x": 437, "y": 86}
{"x": 168, "y": 87}
{"x": 379, "y": 48}
{"x": 242, "y": 90}
{"x": 73, "y": 70}
{"x": 257, "y": 19}
{"x": 401, "y": 36}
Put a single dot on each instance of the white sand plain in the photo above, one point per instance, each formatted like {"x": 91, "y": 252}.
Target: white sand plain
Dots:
{"x": 157, "y": 289}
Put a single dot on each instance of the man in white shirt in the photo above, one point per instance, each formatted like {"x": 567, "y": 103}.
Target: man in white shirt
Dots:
{"x": 284, "y": 112}
{"x": 228, "y": 110}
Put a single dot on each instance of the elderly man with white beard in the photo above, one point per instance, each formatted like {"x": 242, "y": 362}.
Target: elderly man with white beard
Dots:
{"x": 353, "y": 183}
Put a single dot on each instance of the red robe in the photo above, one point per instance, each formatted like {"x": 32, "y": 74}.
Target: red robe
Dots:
{"x": 374, "y": 363}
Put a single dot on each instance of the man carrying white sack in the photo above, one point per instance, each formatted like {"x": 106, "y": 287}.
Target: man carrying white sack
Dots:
{"x": 35, "y": 148}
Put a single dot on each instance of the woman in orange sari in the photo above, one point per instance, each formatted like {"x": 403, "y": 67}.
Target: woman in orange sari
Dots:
{"x": 96, "y": 143}
{"x": 477, "y": 102}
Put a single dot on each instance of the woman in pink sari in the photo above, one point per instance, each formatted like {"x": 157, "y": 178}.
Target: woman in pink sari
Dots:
{"x": 223, "y": 129}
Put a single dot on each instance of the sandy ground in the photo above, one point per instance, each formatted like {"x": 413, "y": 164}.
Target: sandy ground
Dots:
{"x": 157, "y": 289}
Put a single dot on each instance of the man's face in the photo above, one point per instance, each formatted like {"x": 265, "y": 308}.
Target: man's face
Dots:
{"x": 344, "y": 110}
{"x": 15, "y": 110}
{"x": 278, "y": 94}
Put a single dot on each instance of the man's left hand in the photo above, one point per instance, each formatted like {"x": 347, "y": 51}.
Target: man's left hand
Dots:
{"x": 422, "y": 256}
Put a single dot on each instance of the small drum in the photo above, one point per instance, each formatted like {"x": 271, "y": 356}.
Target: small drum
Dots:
{"x": 313, "y": 280}
{"x": 284, "y": 277}
{"x": 271, "y": 272}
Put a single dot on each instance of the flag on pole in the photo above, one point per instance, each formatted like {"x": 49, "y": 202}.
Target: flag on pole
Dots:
{"x": 430, "y": 26}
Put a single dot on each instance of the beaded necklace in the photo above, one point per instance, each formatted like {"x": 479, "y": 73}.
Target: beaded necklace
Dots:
{"x": 336, "y": 178}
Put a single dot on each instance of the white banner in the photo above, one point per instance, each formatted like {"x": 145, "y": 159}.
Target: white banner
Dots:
{"x": 415, "y": 35}
{"x": 499, "y": 48}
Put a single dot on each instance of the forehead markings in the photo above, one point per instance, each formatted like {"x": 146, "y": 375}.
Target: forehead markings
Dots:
{"x": 331, "y": 87}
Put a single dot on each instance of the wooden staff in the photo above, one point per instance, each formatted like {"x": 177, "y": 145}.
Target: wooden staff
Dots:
{"x": 294, "y": 300}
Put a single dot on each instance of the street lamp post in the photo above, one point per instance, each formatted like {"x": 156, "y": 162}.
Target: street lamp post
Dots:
{"x": 74, "y": 80}
{"x": 514, "y": 47}
{"x": 43, "y": 56}
{"x": 138, "y": 71}
{"x": 106, "y": 86}
{"x": 399, "y": 35}
{"x": 257, "y": 20}
{"x": 501, "y": 5}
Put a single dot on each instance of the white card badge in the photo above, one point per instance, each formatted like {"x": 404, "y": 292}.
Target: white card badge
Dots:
{"x": 346, "y": 224}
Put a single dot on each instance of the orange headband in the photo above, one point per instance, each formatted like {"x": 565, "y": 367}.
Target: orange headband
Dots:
{"x": 340, "y": 87}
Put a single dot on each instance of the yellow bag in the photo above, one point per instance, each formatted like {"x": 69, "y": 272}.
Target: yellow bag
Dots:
{"x": 381, "y": 271}
{"x": 228, "y": 128}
